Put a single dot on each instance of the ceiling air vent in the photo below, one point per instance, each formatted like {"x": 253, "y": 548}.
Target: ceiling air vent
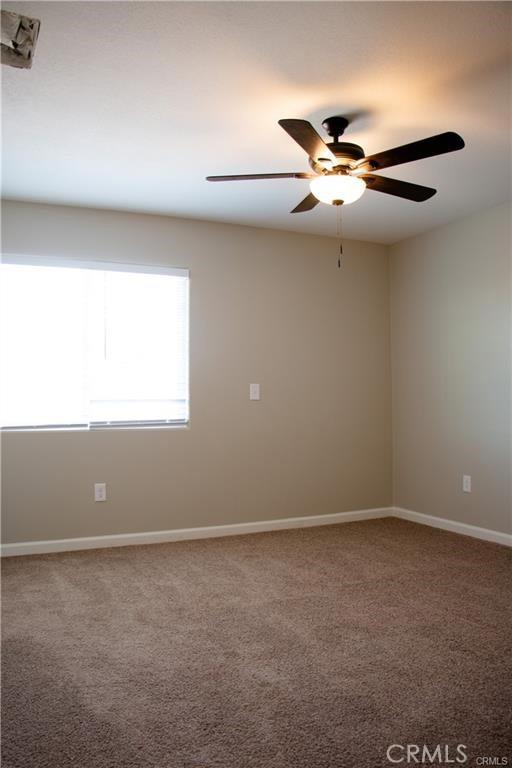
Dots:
{"x": 19, "y": 37}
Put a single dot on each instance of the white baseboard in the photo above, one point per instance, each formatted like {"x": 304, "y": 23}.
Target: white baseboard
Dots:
{"x": 183, "y": 534}
{"x": 451, "y": 525}
{"x": 237, "y": 529}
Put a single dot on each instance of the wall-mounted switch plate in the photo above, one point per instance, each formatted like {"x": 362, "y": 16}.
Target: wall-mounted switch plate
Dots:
{"x": 254, "y": 391}
{"x": 466, "y": 483}
{"x": 100, "y": 491}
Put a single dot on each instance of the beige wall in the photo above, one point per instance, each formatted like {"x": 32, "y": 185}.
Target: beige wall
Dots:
{"x": 272, "y": 307}
{"x": 266, "y": 306}
{"x": 451, "y": 369}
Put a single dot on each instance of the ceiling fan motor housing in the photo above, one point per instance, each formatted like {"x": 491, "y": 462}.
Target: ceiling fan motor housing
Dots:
{"x": 346, "y": 154}
{"x": 344, "y": 150}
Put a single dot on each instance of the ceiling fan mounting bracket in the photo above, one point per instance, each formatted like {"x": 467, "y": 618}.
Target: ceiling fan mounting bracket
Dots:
{"x": 335, "y": 126}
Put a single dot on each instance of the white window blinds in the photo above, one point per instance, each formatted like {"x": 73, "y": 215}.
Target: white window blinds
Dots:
{"x": 91, "y": 344}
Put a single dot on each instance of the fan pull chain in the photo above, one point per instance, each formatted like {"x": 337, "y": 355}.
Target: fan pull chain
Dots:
{"x": 338, "y": 233}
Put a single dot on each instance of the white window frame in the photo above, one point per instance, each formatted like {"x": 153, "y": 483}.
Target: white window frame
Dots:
{"x": 113, "y": 266}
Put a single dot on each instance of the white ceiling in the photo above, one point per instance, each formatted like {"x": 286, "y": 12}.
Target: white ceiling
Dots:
{"x": 129, "y": 105}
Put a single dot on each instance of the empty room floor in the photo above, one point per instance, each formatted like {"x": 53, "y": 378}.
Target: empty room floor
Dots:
{"x": 309, "y": 648}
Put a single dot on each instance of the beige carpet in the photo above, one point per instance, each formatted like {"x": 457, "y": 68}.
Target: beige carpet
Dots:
{"x": 315, "y": 648}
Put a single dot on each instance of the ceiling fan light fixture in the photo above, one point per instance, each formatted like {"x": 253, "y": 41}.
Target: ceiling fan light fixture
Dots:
{"x": 335, "y": 187}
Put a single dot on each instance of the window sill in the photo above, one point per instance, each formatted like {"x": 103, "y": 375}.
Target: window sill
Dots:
{"x": 102, "y": 428}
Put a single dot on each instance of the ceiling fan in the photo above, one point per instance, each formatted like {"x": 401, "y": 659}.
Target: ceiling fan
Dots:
{"x": 341, "y": 170}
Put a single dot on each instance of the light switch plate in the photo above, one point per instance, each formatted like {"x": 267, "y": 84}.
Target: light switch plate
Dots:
{"x": 254, "y": 391}
{"x": 466, "y": 483}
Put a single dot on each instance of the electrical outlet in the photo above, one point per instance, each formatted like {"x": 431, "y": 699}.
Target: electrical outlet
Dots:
{"x": 100, "y": 491}
{"x": 466, "y": 483}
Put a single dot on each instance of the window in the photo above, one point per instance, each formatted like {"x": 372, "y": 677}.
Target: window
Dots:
{"x": 92, "y": 344}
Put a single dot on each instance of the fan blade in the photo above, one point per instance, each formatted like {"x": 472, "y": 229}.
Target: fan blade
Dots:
{"x": 262, "y": 176}
{"x": 398, "y": 188}
{"x": 307, "y": 204}
{"x": 435, "y": 145}
{"x": 306, "y": 137}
